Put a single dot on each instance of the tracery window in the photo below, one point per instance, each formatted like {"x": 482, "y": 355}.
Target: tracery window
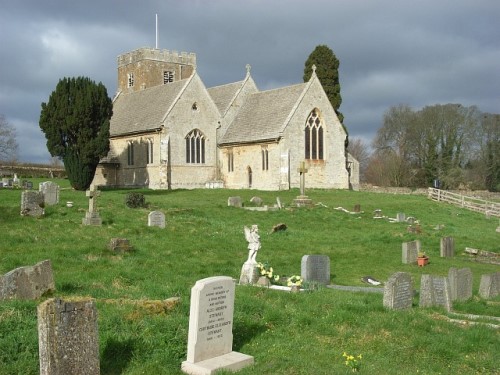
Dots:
{"x": 195, "y": 147}
{"x": 313, "y": 135}
{"x": 130, "y": 80}
{"x": 168, "y": 77}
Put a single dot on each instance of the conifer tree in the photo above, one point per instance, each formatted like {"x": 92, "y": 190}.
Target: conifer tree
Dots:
{"x": 327, "y": 70}
{"x": 75, "y": 121}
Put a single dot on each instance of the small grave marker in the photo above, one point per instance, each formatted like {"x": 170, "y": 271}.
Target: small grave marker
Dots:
{"x": 156, "y": 219}
{"x": 447, "y": 247}
{"x": 68, "y": 339}
{"x": 377, "y": 214}
{"x": 398, "y": 291}
{"x": 210, "y": 339}
{"x": 234, "y": 202}
{"x": 401, "y": 217}
{"x": 315, "y": 268}
{"x": 435, "y": 291}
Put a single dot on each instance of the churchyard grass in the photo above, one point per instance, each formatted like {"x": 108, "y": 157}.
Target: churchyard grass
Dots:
{"x": 287, "y": 333}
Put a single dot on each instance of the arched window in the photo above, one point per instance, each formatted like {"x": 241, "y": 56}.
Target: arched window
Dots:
{"x": 195, "y": 147}
{"x": 313, "y": 136}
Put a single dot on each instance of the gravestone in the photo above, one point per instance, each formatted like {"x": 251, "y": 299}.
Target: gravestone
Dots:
{"x": 410, "y": 220}
{"x": 447, "y": 247}
{"x": 302, "y": 200}
{"x": 68, "y": 339}
{"x": 410, "y": 252}
{"x": 29, "y": 282}
{"x": 32, "y": 204}
{"x": 460, "y": 281}
{"x": 357, "y": 208}
{"x": 234, "y": 202}
{"x": 92, "y": 215}
{"x": 257, "y": 201}
{"x": 401, "y": 217}
{"x": 315, "y": 268}
{"x": 50, "y": 191}
{"x": 156, "y": 219}
{"x": 119, "y": 245}
{"x": 490, "y": 285}
{"x": 398, "y": 291}
{"x": 210, "y": 339}
{"x": 377, "y": 214}
{"x": 435, "y": 291}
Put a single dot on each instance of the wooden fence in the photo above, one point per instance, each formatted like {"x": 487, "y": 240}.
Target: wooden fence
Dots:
{"x": 471, "y": 203}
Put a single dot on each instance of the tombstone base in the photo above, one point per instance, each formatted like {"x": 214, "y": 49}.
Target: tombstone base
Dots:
{"x": 232, "y": 361}
{"x": 249, "y": 273}
{"x": 302, "y": 201}
{"x": 92, "y": 218}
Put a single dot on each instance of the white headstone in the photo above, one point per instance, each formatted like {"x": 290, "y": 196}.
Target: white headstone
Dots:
{"x": 50, "y": 191}
{"x": 210, "y": 340}
{"x": 156, "y": 219}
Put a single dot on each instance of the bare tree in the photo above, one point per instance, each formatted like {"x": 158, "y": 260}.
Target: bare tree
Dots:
{"x": 8, "y": 143}
{"x": 361, "y": 152}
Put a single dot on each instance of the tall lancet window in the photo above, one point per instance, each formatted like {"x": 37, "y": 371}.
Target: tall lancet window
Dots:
{"x": 313, "y": 137}
{"x": 195, "y": 147}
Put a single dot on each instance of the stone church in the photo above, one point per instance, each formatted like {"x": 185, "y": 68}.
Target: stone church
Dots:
{"x": 169, "y": 131}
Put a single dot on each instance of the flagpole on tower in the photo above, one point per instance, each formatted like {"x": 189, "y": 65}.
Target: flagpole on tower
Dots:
{"x": 156, "y": 30}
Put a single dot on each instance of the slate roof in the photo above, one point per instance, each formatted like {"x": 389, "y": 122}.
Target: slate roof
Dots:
{"x": 263, "y": 115}
{"x": 145, "y": 109}
{"x": 223, "y": 95}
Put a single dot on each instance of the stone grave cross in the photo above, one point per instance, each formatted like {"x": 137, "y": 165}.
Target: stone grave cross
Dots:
{"x": 302, "y": 170}
{"x": 92, "y": 194}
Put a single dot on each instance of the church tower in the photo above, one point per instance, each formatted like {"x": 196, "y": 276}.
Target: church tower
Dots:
{"x": 147, "y": 67}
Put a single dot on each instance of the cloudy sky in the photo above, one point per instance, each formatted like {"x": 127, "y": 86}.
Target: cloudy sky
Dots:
{"x": 391, "y": 52}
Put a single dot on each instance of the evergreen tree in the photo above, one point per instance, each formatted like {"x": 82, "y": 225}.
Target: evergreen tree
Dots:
{"x": 76, "y": 125}
{"x": 327, "y": 70}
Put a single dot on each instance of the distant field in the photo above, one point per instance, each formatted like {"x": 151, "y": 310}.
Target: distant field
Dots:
{"x": 304, "y": 333}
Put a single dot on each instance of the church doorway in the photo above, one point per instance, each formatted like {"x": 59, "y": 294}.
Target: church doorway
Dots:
{"x": 249, "y": 173}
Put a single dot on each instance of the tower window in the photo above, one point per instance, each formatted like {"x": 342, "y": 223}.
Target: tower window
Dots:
{"x": 168, "y": 77}
{"x": 130, "y": 80}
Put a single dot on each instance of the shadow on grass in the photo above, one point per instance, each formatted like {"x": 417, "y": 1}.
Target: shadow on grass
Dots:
{"x": 116, "y": 356}
{"x": 244, "y": 333}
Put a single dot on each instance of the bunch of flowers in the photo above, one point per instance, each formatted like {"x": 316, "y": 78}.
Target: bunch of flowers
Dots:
{"x": 352, "y": 362}
{"x": 294, "y": 281}
{"x": 266, "y": 270}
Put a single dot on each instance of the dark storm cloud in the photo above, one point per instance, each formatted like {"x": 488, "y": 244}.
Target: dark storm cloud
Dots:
{"x": 391, "y": 52}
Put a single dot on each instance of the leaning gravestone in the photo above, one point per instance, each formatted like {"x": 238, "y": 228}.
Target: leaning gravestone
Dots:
{"x": 490, "y": 285}
{"x": 315, "y": 268}
{"x": 435, "y": 291}
{"x": 234, "y": 202}
{"x": 32, "y": 204}
{"x": 68, "y": 339}
{"x": 30, "y": 282}
{"x": 410, "y": 252}
{"x": 156, "y": 219}
{"x": 50, "y": 191}
{"x": 210, "y": 340}
{"x": 398, "y": 291}
{"x": 447, "y": 247}
{"x": 460, "y": 281}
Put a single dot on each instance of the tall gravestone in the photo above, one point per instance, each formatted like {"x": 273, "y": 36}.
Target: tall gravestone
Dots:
{"x": 460, "y": 283}
{"x": 29, "y": 282}
{"x": 410, "y": 252}
{"x": 490, "y": 285}
{"x": 398, "y": 291}
{"x": 435, "y": 291}
{"x": 156, "y": 219}
{"x": 92, "y": 215}
{"x": 68, "y": 339}
{"x": 50, "y": 191}
{"x": 210, "y": 340}
{"x": 315, "y": 268}
{"x": 32, "y": 204}
{"x": 447, "y": 247}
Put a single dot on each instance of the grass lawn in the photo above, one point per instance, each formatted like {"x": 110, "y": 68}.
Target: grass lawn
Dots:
{"x": 287, "y": 333}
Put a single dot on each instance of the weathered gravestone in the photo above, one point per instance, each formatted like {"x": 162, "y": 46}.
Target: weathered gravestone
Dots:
{"x": 234, "y": 202}
{"x": 410, "y": 252}
{"x": 377, "y": 214}
{"x": 435, "y": 291}
{"x": 257, "y": 201}
{"x": 315, "y": 268}
{"x": 398, "y": 291}
{"x": 119, "y": 245}
{"x": 50, "y": 191}
{"x": 357, "y": 208}
{"x": 447, "y": 247}
{"x": 68, "y": 339}
{"x": 32, "y": 204}
{"x": 490, "y": 285}
{"x": 460, "y": 281}
{"x": 401, "y": 217}
{"x": 30, "y": 282}
{"x": 92, "y": 215}
{"x": 210, "y": 340}
{"x": 156, "y": 219}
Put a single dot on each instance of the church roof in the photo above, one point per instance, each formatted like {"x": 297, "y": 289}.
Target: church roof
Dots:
{"x": 223, "y": 95}
{"x": 263, "y": 115}
{"x": 143, "y": 110}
